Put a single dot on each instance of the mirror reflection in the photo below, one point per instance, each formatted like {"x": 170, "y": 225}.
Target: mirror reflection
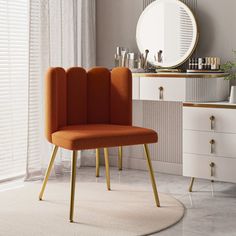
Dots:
{"x": 168, "y": 29}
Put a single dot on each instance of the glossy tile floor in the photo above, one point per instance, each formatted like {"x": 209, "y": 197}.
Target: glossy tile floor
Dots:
{"x": 210, "y": 209}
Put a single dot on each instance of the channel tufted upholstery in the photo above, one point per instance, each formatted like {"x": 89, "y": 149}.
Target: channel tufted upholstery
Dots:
{"x": 92, "y": 110}
{"x": 88, "y": 110}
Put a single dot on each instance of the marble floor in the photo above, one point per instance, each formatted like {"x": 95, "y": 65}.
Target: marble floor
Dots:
{"x": 210, "y": 209}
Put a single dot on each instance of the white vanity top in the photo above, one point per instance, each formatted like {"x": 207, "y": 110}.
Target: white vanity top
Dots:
{"x": 223, "y": 105}
{"x": 180, "y": 75}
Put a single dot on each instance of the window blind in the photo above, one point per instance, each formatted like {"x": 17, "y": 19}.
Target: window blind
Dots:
{"x": 13, "y": 87}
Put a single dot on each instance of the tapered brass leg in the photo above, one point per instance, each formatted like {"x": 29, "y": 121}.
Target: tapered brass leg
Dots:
{"x": 73, "y": 180}
{"x": 97, "y": 162}
{"x": 190, "y": 189}
{"x": 107, "y": 168}
{"x": 53, "y": 155}
{"x": 152, "y": 175}
{"x": 120, "y": 158}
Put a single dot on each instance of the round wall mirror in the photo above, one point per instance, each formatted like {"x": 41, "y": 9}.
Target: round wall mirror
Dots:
{"x": 168, "y": 29}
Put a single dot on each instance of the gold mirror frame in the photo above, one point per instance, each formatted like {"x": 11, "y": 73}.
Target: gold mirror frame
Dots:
{"x": 196, "y": 36}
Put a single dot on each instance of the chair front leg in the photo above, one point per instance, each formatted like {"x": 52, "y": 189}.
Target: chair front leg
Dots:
{"x": 151, "y": 174}
{"x": 97, "y": 162}
{"x": 53, "y": 156}
{"x": 107, "y": 168}
{"x": 73, "y": 180}
{"x": 120, "y": 154}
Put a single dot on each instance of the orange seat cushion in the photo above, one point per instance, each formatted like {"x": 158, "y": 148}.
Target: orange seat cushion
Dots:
{"x": 91, "y": 136}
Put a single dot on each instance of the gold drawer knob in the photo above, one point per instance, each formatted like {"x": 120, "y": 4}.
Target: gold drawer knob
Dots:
{"x": 212, "y": 165}
{"x": 161, "y": 93}
{"x": 212, "y": 142}
{"x": 212, "y": 119}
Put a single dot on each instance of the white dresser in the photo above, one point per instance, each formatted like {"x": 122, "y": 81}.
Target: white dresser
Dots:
{"x": 209, "y": 141}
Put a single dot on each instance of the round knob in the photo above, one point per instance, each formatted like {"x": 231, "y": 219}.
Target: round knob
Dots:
{"x": 212, "y": 164}
{"x": 161, "y": 88}
{"x": 212, "y": 141}
{"x": 212, "y": 118}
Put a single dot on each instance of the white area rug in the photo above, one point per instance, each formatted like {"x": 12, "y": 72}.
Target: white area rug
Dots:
{"x": 123, "y": 211}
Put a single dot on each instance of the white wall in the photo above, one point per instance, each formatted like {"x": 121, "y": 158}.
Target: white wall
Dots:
{"x": 117, "y": 19}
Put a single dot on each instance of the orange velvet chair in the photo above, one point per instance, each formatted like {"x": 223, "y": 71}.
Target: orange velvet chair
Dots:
{"x": 92, "y": 110}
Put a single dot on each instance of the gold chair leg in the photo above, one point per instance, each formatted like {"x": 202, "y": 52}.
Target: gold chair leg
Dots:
{"x": 97, "y": 162}
{"x": 73, "y": 180}
{"x": 190, "y": 189}
{"x": 107, "y": 168}
{"x": 152, "y": 175}
{"x": 53, "y": 156}
{"x": 120, "y": 154}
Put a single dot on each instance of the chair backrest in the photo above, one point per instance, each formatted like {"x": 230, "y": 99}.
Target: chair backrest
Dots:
{"x": 75, "y": 97}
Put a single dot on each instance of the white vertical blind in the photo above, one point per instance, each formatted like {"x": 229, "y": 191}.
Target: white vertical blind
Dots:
{"x": 13, "y": 87}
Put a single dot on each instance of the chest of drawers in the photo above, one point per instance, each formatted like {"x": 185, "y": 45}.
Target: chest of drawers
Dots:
{"x": 209, "y": 142}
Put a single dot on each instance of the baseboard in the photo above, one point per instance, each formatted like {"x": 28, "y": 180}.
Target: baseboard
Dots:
{"x": 137, "y": 164}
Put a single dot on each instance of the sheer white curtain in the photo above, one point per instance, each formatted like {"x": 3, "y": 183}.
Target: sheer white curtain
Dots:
{"x": 62, "y": 33}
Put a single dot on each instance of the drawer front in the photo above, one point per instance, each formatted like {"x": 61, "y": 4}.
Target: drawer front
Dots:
{"x": 162, "y": 89}
{"x": 135, "y": 88}
{"x": 217, "y": 168}
{"x": 209, "y": 119}
{"x": 209, "y": 143}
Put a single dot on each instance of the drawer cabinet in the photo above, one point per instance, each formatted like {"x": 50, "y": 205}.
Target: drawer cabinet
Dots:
{"x": 209, "y": 143}
{"x": 166, "y": 89}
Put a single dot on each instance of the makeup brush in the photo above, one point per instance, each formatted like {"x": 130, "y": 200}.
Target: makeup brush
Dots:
{"x": 145, "y": 58}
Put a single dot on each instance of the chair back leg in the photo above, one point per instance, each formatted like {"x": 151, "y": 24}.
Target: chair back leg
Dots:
{"x": 53, "y": 156}
{"x": 97, "y": 162}
{"x": 149, "y": 163}
{"x": 73, "y": 180}
{"x": 107, "y": 168}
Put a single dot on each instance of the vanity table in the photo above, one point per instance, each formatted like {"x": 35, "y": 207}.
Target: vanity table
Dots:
{"x": 170, "y": 104}
{"x": 196, "y": 139}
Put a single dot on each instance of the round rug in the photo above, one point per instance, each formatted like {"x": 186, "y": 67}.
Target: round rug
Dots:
{"x": 126, "y": 210}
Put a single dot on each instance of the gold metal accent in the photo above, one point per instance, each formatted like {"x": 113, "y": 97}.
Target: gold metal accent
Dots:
{"x": 151, "y": 175}
{"x": 53, "y": 156}
{"x": 190, "y": 189}
{"x": 73, "y": 180}
{"x": 212, "y": 142}
{"x": 120, "y": 154}
{"x": 210, "y": 105}
{"x": 180, "y": 75}
{"x": 212, "y": 119}
{"x": 97, "y": 162}
{"x": 212, "y": 165}
{"x": 161, "y": 93}
{"x": 107, "y": 168}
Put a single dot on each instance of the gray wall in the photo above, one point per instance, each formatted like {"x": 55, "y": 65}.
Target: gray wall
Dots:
{"x": 117, "y": 19}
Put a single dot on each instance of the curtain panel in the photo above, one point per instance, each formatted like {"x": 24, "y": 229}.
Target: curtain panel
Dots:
{"x": 62, "y": 33}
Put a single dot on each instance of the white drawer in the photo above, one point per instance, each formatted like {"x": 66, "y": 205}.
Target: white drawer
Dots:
{"x": 135, "y": 88}
{"x": 198, "y": 142}
{"x": 224, "y": 120}
{"x": 199, "y": 167}
{"x": 173, "y": 89}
